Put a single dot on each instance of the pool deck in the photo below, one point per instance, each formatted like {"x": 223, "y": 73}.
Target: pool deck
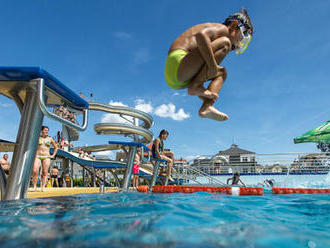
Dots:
{"x": 53, "y": 192}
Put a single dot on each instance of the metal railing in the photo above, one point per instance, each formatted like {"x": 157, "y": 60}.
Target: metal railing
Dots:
{"x": 208, "y": 166}
{"x": 187, "y": 172}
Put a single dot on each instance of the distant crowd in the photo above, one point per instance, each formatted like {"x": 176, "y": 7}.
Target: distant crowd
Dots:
{"x": 65, "y": 113}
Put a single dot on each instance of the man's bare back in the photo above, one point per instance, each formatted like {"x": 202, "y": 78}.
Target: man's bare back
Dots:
{"x": 187, "y": 40}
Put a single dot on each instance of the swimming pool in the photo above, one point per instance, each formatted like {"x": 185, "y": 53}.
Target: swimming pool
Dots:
{"x": 167, "y": 220}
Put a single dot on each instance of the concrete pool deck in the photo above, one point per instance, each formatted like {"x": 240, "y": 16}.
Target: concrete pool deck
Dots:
{"x": 53, "y": 192}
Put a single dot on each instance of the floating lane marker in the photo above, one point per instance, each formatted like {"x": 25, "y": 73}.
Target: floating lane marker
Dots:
{"x": 235, "y": 191}
{"x": 299, "y": 191}
{"x": 193, "y": 189}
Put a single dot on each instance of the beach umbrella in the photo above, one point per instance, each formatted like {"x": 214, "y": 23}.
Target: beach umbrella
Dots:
{"x": 320, "y": 134}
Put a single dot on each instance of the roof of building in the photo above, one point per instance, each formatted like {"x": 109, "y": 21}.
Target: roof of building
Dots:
{"x": 234, "y": 150}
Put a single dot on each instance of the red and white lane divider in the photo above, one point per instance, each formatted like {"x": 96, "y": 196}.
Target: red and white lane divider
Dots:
{"x": 299, "y": 191}
{"x": 193, "y": 189}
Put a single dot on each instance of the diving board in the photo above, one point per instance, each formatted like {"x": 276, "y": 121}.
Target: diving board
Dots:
{"x": 91, "y": 163}
{"x": 33, "y": 89}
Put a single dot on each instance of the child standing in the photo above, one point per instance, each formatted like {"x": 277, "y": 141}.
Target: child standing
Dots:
{"x": 136, "y": 168}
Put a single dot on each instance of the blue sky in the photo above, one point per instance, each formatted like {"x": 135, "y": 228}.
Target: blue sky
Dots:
{"x": 278, "y": 89}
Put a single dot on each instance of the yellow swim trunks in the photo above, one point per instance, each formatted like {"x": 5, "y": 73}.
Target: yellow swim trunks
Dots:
{"x": 172, "y": 63}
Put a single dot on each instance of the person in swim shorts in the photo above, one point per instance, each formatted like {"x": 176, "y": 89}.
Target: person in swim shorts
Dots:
{"x": 43, "y": 158}
{"x": 236, "y": 179}
{"x": 5, "y": 164}
{"x": 194, "y": 59}
{"x": 54, "y": 176}
{"x": 136, "y": 168}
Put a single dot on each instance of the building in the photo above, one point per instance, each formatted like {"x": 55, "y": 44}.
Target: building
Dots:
{"x": 228, "y": 161}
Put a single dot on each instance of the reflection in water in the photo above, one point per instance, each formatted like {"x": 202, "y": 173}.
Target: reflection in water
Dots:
{"x": 173, "y": 220}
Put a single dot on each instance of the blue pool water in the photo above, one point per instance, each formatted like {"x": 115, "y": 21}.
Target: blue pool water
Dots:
{"x": 167, "y": 220}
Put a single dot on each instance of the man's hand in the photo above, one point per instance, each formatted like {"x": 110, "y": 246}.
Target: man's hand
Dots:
{"x": 215, "y": 72}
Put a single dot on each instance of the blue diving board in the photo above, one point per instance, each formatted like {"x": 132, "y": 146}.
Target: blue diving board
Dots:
{"x": 125, "y": 143}
{"x": 162, "y": 161}
{"x": 90, "y": 163}
{"x": 30, "y": 73}
{"x": 158, "y": 159}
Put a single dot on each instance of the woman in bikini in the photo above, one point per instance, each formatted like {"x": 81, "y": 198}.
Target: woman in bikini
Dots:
{"x": 43, "y": 158}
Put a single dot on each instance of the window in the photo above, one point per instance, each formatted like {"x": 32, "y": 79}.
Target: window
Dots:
{"x": 244, "y": 159}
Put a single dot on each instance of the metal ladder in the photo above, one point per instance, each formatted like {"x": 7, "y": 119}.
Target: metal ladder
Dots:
{"x": 189, "y": 173}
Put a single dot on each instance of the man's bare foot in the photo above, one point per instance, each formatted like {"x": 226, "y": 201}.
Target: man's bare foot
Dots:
{"x": 202, "y": 92}
{"x": 212, "y": 113}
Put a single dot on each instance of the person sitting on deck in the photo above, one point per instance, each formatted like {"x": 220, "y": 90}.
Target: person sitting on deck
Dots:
{"x": 236, "y": 179}
{"x": 194, "y": 59}
{"x": 158, "y": 151}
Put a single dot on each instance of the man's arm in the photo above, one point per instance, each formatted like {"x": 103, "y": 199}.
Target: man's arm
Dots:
{"x": 205, "y": 48}
{"x": 229, "y": 180}
{"x": 242, "y": 182}
{"x": 203, "y": 40}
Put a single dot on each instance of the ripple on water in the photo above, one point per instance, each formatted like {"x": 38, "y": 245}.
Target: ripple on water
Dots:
{"x": 167, "y": 220}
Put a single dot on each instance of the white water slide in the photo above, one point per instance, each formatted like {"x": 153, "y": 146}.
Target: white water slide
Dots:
{"x": 139, "y": 132}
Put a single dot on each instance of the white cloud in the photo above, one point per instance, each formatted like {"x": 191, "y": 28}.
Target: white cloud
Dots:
{"x": 122, "y": 35}
{"x": 104, "y": 153}
{"x": 165, "y": 111}
{"x": 169, "y": 111}
{"x": 191, "y": 157}
{"x": 176, "y": 94}
{"x": 115, "y": 118}
{"x": 143, "y": 106}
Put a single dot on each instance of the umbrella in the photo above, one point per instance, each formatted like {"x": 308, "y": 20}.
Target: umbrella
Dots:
{"x": 320, "y": 134}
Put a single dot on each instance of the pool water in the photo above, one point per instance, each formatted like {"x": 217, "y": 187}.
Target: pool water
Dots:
{"x": 167, "y": 220}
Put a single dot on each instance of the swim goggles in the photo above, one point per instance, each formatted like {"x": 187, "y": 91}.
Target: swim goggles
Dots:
{"x": 244, "y": 43}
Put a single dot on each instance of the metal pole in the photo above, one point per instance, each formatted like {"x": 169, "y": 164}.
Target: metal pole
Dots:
{"x": 83, "y": 176}
{"x": 102, "y": 183}
{"x": 129, "y": 167}
{"x": 93, "y": 175}
{"x": 167, "y": 174}
{"x": 25, "y": 150}
{"x": 155, "y": 174}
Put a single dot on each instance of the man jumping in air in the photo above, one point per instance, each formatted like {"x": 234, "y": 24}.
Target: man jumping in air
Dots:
{"x": 194, "y": 58}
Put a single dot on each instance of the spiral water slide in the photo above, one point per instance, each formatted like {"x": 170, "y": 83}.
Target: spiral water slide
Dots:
{"x": 137, "y": 124}
{"x": 139, "y": 133}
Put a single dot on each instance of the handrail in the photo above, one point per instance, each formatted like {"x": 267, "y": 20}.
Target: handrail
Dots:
{"x": 46, "y": 112}
{"x": 201, "y": 173}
